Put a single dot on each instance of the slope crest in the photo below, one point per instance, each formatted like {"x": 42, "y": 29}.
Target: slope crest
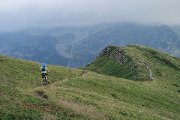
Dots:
{"x": 132, "y": 62}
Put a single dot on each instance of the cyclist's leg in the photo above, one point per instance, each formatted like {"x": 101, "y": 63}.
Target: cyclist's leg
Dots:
{"x": 46, "y": 78}
{"x": 42, "y": 77}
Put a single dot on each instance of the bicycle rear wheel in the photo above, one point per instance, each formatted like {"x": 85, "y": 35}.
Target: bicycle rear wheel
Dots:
{"x": 45, "y": 81}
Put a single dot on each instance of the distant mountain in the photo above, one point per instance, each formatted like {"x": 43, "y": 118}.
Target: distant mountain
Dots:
{"x": 176, "y": 29}
{"x": 77, "y": 46}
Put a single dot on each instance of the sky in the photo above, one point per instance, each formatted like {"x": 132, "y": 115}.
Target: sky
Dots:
{"x": 22, "y": 14}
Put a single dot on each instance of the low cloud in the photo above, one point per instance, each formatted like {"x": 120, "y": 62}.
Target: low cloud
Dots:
{"x": 19, "y": 14}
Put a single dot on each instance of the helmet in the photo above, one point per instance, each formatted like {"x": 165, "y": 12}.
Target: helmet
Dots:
{"x": 43, "y": 64}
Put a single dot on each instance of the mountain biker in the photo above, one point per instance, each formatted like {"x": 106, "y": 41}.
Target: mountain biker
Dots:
{"x": 44, "y": 71}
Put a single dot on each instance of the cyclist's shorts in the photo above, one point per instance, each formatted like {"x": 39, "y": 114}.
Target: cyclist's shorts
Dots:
{"x": 44, "y": 75}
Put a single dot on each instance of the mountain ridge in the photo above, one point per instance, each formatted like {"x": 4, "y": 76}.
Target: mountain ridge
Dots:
{"x": 115, "y": 60}
{"x": 77, "y": 46}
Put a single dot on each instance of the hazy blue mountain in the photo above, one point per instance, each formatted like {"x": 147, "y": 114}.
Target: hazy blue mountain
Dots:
{"x": 77, "y": 46}
{"x": 176, "y": 29}
{"x": 159, "y": 37}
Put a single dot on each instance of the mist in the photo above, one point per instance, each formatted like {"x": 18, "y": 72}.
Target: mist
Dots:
{"x": 22, "y": 14}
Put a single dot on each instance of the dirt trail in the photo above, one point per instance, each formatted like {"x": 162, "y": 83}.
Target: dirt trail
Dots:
{"x": 150, "y": 74}
{"x": 83, "y": 110}
{"x": 77, "y": 109}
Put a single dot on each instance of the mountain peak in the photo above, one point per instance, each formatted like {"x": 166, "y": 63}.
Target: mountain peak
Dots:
{"x": 131, "y": 62}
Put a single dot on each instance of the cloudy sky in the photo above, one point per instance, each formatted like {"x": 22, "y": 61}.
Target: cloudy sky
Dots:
{"x": 20, "y": 14}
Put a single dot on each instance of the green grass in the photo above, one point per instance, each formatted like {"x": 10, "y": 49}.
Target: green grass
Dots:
{"x": 133, "y": 65}
{"x": 124, "y": 65}
{"x": 83, "y": 94}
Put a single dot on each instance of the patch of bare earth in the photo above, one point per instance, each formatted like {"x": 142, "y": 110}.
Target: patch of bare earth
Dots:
{"x": 48, "y": 116}
{"x": 83, "y": 110}
{"x": 84, "y": 73}
{"x": 41, "y": 94}
{"x": 44, "y": 108}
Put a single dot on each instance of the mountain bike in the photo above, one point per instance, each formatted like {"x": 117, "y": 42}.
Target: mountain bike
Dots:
{"x": 44, "y": 77}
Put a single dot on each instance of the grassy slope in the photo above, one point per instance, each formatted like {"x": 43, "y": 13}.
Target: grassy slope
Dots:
{"x": 81, "y": 94}
{"x": 133, "y": 65}
{"x": 109, "y": 63}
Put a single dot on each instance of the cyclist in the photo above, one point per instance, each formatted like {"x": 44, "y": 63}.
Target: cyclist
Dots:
{"x": 44, "y": 71}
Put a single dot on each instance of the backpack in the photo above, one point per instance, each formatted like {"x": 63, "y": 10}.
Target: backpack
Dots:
{"x": 43, "y": 67}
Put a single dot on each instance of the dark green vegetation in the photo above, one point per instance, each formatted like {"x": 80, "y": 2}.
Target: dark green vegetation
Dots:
{"x": 82, "y": 94}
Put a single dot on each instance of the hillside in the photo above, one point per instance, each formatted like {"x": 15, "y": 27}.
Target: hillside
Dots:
{"x": 82, "y": 94}
{"x": 78, "y": 46}
{"x": 132, "y": 62}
